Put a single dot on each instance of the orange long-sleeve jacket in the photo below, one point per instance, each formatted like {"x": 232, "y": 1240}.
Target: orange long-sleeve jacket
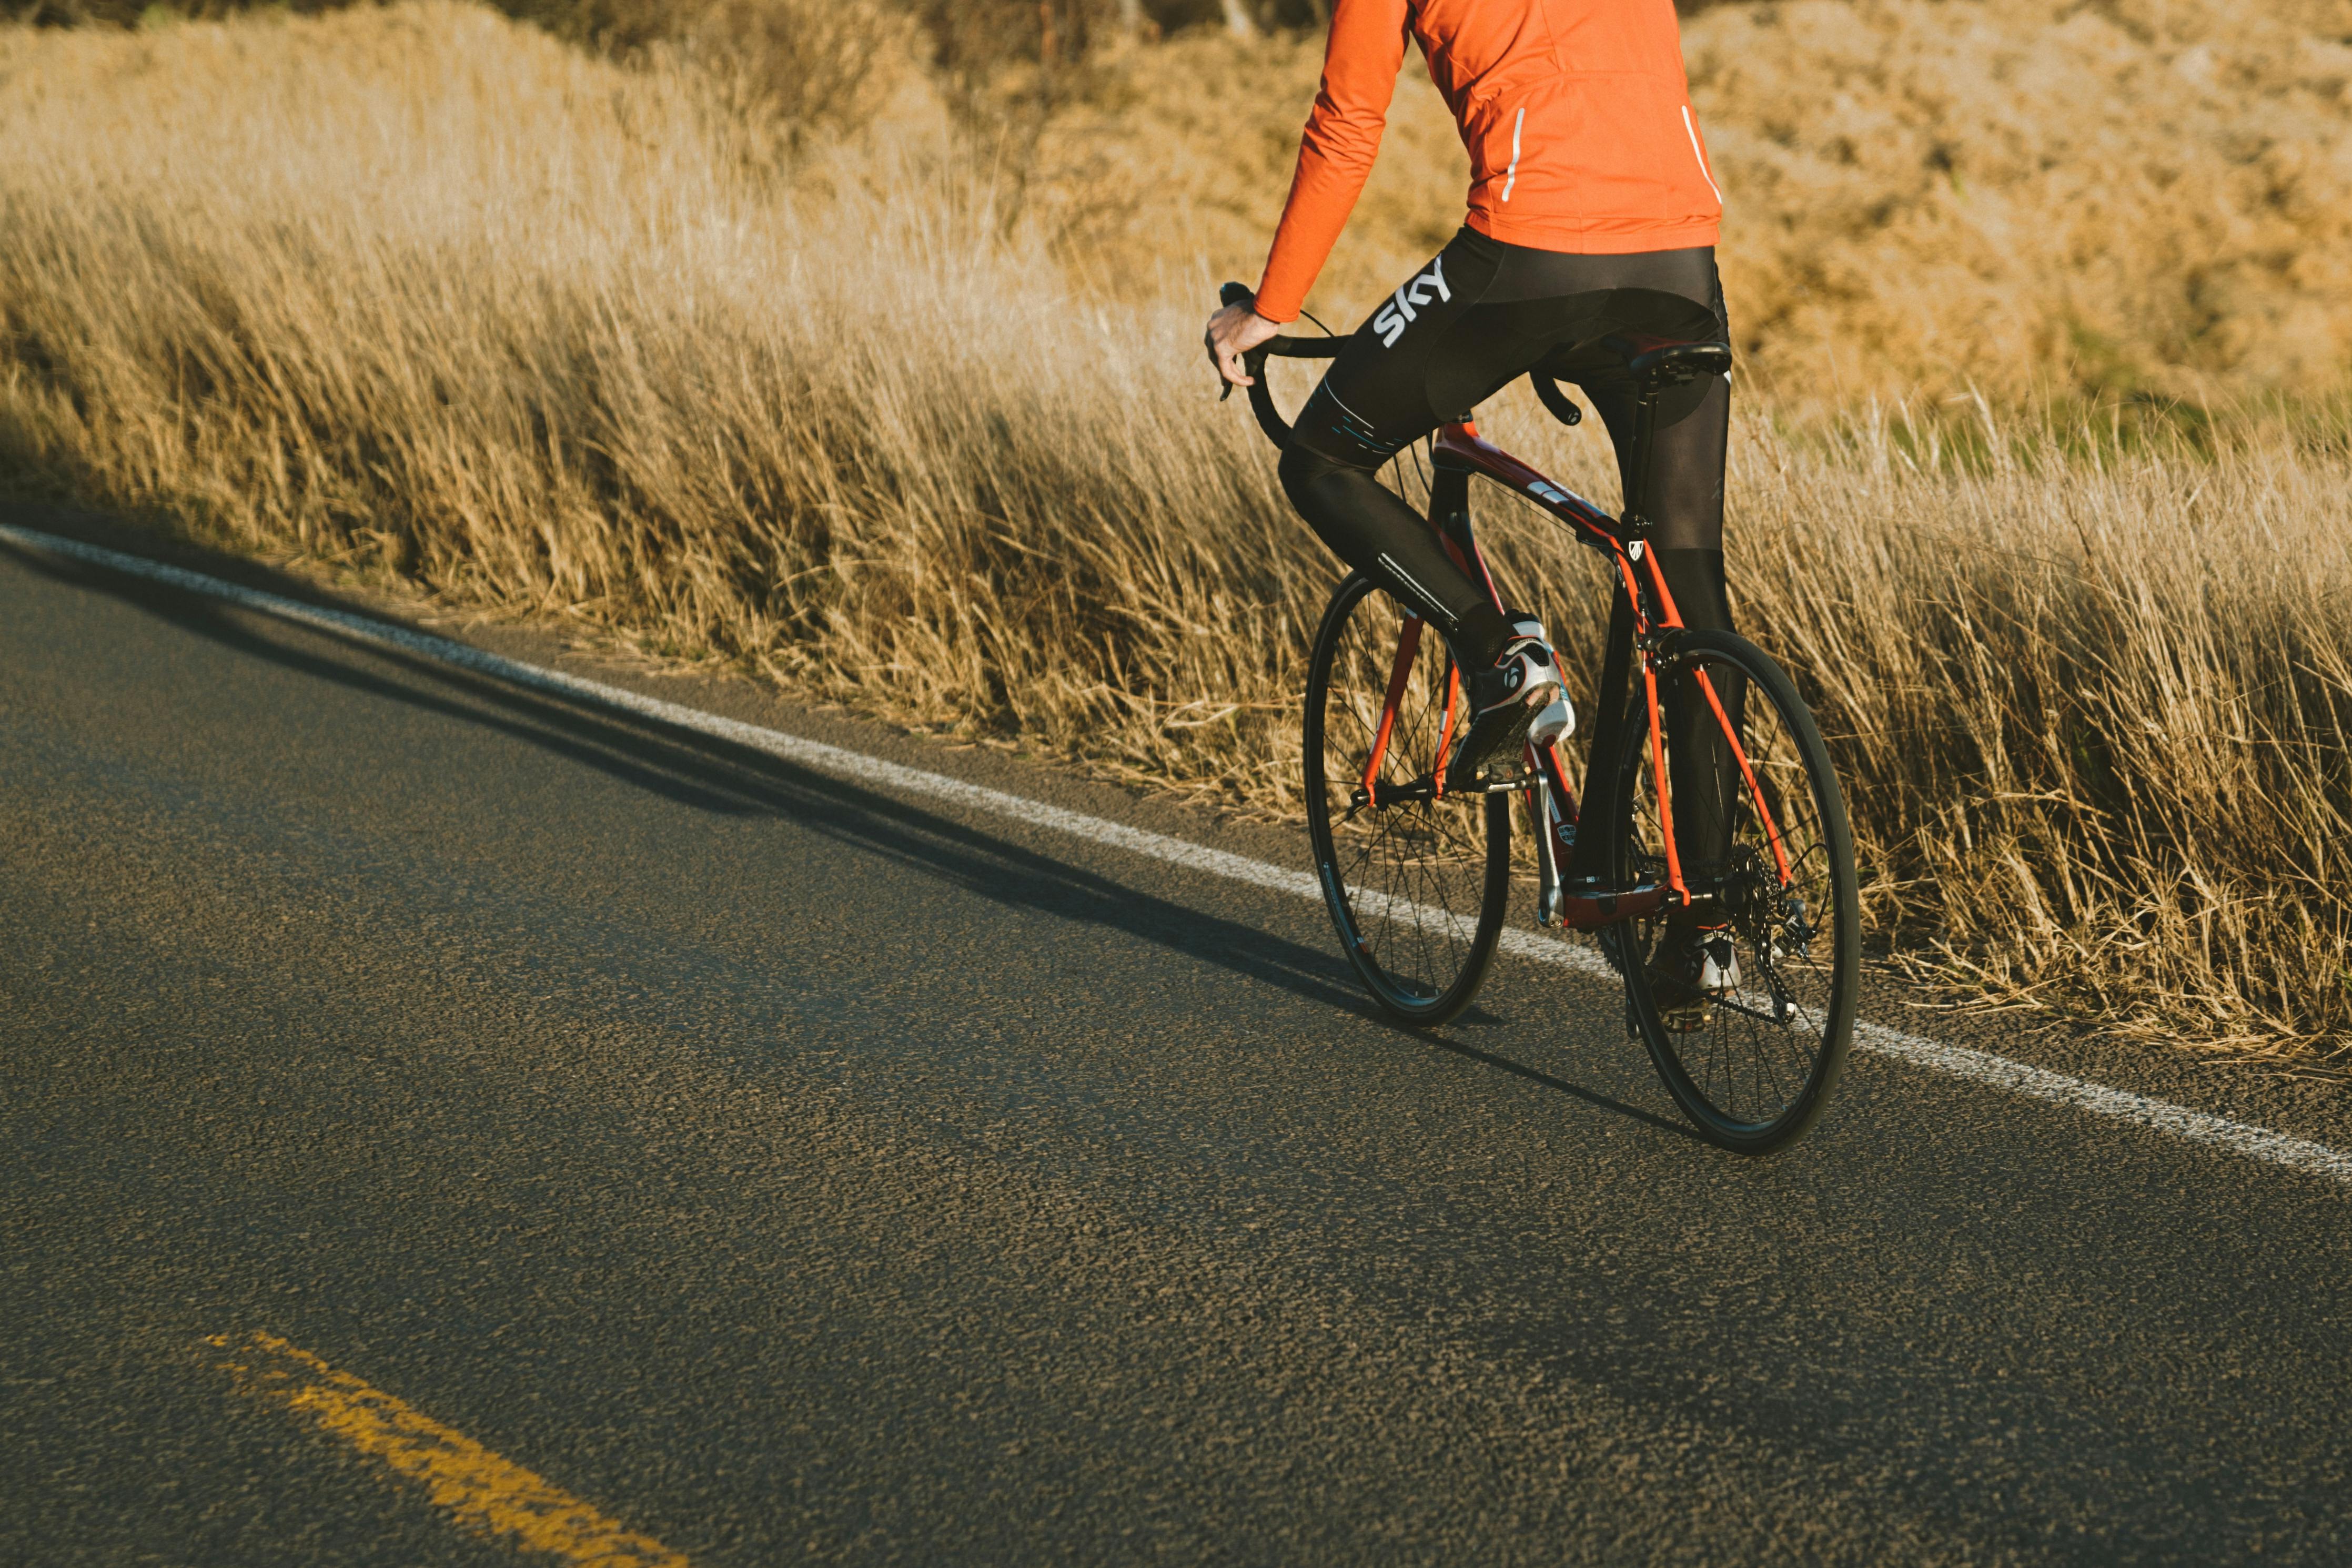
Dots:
{"x": 1576, "y": 114}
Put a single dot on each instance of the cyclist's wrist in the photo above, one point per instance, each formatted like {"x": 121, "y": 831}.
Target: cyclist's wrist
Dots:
{"x": 1279, "y": 310}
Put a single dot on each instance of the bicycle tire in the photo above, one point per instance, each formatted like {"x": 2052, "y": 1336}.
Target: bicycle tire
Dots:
{"x": 1416, "y": 888}
{"x": 1758, "y": 1075}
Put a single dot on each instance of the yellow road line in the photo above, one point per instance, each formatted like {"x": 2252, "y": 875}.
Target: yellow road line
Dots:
{"x": 483, "y": 1491}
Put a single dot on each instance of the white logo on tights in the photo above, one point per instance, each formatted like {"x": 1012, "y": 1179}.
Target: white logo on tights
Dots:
{"x": 1399, "y": 312}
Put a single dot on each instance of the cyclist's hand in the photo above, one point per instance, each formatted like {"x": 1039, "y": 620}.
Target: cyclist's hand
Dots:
{"x": 1233, "y": 332}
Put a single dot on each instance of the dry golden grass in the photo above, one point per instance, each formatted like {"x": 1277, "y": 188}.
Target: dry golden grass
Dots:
{"x": 1924, "y": 196}
{"x": 424, "y": 290}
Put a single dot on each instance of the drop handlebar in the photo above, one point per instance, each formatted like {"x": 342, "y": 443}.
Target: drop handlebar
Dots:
{"x": 1261, "y": 398}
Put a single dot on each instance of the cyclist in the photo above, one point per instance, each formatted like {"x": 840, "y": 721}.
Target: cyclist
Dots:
{"x": 1593, "y": 210}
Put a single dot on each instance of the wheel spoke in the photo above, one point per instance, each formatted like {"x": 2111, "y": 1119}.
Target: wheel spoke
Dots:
{"x": 1413, "y": 871}
{"x": 1749, "y": 1071}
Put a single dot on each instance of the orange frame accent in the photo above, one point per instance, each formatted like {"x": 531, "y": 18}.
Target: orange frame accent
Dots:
{"x": 1445, "y": 731}
{"x": 1408, "y": 644}
{"x": 1739, "y": 752}
{"x": 1658, "y": 773}
{"x": 1755, "y": 791}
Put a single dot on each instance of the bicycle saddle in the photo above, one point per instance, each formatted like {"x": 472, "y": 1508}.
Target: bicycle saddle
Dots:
{"x": 1668, "y": 361}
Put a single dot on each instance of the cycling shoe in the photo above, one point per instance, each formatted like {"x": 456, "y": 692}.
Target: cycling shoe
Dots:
{"x": 1516, "y": 700}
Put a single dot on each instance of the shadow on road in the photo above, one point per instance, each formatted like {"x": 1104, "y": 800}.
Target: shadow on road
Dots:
{"x": 708, "y": 773}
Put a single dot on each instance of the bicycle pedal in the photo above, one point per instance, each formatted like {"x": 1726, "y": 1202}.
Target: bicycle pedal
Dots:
{"x": 1493, "y": 775}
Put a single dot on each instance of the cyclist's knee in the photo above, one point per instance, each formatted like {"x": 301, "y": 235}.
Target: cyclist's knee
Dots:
{"x": 1304, "y": 473}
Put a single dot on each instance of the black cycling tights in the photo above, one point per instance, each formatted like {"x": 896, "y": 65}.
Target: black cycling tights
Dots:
{"x": 1479, "y": 316}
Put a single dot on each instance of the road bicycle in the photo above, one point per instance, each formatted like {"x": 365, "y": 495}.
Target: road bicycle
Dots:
{"x": 1416, "y": 867}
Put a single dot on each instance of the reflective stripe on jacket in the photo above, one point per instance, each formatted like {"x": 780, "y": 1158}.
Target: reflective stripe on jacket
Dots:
{"x": 1576, "y": 114}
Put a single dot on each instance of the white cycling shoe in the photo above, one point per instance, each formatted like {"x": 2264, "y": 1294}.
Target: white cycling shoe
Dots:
{"x": 1515, "y": 703}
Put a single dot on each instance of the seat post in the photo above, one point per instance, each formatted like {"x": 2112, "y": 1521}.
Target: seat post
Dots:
{"x": 1646, "y": 429}
{"x": 1449, "y": 499}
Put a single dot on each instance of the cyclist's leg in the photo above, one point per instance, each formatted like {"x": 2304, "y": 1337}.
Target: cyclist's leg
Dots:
{"x": 1685, "y": 505}
{"x": 1706, "y": 776}
{"x": 1373, "y": 403}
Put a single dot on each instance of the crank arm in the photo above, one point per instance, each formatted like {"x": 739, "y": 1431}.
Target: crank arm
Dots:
{"x": 1387, "y": 794}
{"x": 1548, "y": 895}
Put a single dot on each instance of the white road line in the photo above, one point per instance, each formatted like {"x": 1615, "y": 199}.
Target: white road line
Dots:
{"x": 1980, "y": 1066}
{"x": 2140, "y": 1110}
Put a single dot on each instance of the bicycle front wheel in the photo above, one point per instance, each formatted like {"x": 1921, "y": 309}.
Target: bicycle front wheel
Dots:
{"x": 1768, "y": 856}
{"x": 1416, "y": 883}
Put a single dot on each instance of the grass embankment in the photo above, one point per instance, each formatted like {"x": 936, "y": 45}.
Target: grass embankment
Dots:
{"x": 422, "y": 291}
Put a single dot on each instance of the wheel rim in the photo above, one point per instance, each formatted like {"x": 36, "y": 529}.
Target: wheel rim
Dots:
{"x": 1415, "y": 869}
{"x": 1761, "y": 1056}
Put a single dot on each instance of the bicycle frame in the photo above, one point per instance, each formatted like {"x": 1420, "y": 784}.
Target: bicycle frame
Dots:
{"x": 1459, "y": 451}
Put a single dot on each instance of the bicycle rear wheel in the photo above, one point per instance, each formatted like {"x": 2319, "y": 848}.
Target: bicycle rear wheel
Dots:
{"x": 1416, "y": 884}
{"x": 1756, "y": 1074}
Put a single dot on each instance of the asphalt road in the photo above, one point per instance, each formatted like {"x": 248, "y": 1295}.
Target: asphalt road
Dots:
{"x": 796, "y": 1172}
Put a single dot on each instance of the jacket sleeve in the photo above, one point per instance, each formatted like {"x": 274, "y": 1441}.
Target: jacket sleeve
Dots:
{"x": 1336, "y": 153}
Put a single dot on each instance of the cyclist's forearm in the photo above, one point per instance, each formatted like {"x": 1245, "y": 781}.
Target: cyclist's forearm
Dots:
{"x": 1336, "y": 152}
{"x": 1322, "y": 195}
